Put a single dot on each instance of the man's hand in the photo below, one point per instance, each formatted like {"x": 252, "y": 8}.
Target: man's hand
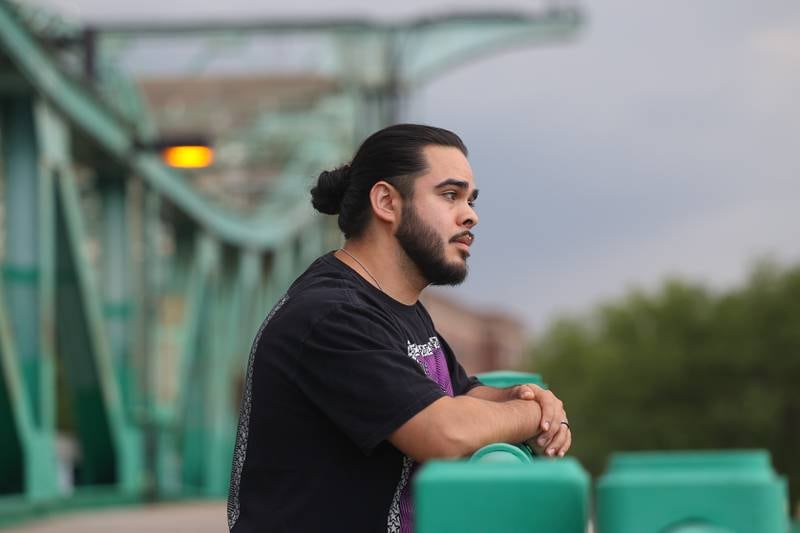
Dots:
{"x": 555, "y": 437}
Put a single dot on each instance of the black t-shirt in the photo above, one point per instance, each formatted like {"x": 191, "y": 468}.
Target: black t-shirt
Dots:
{"x": 335, "y": 368}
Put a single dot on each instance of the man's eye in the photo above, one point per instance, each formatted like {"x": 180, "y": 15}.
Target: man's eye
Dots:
{"x": 450, "y": 195}
{"x": 471, "y": 203}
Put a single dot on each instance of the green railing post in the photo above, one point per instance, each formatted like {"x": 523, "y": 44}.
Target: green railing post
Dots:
{"x": 708, "y": 491}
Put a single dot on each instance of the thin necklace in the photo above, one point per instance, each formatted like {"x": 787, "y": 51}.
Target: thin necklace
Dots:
{"x": 365, "y": 269}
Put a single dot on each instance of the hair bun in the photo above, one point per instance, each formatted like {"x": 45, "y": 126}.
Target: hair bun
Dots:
{"x": 327, "y": 195}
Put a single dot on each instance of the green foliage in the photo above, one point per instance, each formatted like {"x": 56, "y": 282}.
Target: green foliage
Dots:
{"x": 684, "y": 368}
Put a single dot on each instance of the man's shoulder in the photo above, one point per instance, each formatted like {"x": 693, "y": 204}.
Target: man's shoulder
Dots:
{"x": 329, "y": 299}
{"x": 324, "y": 288}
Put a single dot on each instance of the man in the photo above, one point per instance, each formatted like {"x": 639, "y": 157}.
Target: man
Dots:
{"x": 349, "y": 387}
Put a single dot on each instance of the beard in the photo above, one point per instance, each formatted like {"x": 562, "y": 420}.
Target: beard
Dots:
{"x": 426, "y": 250}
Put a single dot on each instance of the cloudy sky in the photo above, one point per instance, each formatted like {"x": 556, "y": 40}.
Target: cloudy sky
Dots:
{"x": 664, "y": 141}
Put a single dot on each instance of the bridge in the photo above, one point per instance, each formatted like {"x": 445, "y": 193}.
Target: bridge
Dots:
{"x": 131, "y": 289}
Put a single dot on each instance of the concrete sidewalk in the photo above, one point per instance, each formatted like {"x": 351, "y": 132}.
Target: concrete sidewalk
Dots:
{"x": 199, "y": 517}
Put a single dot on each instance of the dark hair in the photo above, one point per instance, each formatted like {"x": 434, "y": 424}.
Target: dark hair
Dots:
{"x": 393, "y": 154}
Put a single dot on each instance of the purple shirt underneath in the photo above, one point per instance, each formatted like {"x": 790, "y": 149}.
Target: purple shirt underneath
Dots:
{"x": 431, "y": 358}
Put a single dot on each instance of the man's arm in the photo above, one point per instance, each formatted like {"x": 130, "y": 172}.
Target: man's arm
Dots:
{"x": 493, "y": 394}
{"x": 553, "y": 438}
{"x": 552, "y": 408}
{"x": 456, "y": 427}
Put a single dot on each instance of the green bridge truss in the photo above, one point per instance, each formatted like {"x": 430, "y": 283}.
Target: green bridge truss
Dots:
{"x": 128, "y": 299}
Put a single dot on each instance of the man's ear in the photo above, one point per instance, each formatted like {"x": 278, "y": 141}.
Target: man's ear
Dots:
{"x": 386, "y": 202}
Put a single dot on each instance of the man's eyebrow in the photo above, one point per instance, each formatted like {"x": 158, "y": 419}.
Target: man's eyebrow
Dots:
{"x": 461, "y": 184}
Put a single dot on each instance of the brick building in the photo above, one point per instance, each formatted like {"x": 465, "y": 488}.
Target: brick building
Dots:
{"x": 482, "y": 340}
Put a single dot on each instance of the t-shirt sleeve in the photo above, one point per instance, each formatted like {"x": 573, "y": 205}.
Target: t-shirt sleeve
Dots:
{"x": 353, "y": 368}
{"x": 463, "y": 383}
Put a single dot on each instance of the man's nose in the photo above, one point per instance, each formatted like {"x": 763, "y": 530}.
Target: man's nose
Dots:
{"x": 471, "y": 217}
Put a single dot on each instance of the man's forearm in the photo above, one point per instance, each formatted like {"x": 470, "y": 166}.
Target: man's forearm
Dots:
{"x": 478, "y": 422}
{"x": 457, "y": 427}
{"x": 492, "y": 394}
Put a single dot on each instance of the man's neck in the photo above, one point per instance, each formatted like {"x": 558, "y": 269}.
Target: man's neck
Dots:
{"x": 385, "y": 266}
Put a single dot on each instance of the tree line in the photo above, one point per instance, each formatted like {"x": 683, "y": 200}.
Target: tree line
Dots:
{"x": 683, "y": 367}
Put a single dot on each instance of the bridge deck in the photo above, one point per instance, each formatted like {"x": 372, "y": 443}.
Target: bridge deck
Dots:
{"x": 195, "y": 517}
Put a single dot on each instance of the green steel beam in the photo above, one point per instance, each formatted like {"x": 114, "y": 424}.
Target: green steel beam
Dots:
{"x": 73, "y": 99}
{"x": 161, "y": 467}
{"x": 228, "y": 227}
{"x": 117, "y": 281}
{"x": 198, "y": 400}
{"x": 412, "y": 53}
{"x": 249, "y": 266}
{"x": 50, "y": 140}
{"x": 22, "y": 268}
{"x": 110, "y": 132}
{"x": 196, "y": 299}
{"x": 28, "y": 465}
{"x": 115, "y": 273}
{"x": 77, "y": 357}
{"x": 430, "y": 49}
{"x": 254, "y": 312}
{"x": 381, "y": 68}
{"x": 380, "y": 61}
{"x": 220, "y": 414}
{"x": 342, "y": 25}
{"x": 17, "y": 431}
{"x": 27, "y": 332}
{"x": 91, "y": 343}
{"x": 111, "y": 445}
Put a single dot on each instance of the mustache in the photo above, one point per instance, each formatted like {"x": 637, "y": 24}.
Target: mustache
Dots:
{"x": 464, "y": 234}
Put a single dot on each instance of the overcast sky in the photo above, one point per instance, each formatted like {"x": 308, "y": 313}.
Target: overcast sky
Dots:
{"x": 664, "y": 141}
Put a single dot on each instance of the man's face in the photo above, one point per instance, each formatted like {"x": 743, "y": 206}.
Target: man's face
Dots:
{"x": 434, "y": 229}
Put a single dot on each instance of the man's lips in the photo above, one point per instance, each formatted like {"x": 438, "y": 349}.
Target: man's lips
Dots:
{"x": 465, "y": 238}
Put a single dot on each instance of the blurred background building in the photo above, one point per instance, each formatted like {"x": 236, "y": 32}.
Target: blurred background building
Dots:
{"x": 483, "y": 340}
